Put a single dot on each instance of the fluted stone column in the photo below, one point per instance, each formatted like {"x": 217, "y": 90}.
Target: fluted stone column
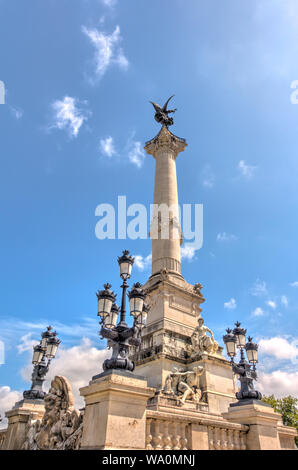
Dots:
{"x": 165, "y": 228}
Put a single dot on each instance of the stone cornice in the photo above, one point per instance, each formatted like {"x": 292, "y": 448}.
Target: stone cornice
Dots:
{"x": 165, "y": 139}
{"x": 175, "y": 283}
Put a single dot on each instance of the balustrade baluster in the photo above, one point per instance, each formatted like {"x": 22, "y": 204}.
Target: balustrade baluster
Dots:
{"x": 230, "y": 442}
{"x": 236, "y": 440}
{"x": 242, "y": 440}
{"x": 210, "y": 438}
{"x": 167, "y": 441}
{"x": 176, "y": 437}
{"x": 223, "y": 439}
{"x": 183, "y": 440}
{"x": 157, "y": 437}
{"x": 148, "y": 434}
{"x": 216, "y": 440}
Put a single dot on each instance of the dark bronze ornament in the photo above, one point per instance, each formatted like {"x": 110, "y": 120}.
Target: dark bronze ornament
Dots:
{"x": 162, "y": 113}
{"x": 246, "y": 371}
{"x": 120, "y": 336}
{"x": 43, "y": 353}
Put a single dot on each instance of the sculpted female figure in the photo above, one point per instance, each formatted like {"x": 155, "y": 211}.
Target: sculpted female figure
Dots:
{"x": 200, "y": 342}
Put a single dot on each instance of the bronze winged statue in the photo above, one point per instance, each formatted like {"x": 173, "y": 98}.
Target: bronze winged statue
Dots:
{"x": 162, "y": 113}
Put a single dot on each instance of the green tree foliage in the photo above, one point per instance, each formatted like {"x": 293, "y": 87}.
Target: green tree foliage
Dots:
{"x": 287, "y": 407}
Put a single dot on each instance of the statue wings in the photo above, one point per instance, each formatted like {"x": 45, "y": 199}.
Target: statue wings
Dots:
{"x": 162, "y": 113}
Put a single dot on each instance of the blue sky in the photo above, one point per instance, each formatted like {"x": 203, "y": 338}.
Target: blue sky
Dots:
{"x": 79, "y": 76}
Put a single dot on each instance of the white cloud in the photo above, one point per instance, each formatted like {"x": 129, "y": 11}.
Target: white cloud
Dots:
{"x": 109, "y": 3}
{"x": 107, "y": 50}
{"x": 271, "y": 304}
{"x": 279, "y": 347}
{"x": 278, "y": 383}
{"x": 136, "y": 153}
{"x": 12, "y": 328}
{"x": 208, "y": 182}
{"x": 8, "y": 398}
{"x": 231, "y": 304}
{"x": 67, "y": 115}
{"x": 208, "y": 178}
{"x": 246, "y": 170}
{"x": 26, "y": 343}
{"x": 259, "y": 289}
{"x": 225, "y": 237}
{"x": 258, "y": 312}
{"x": 284, "y": 301}
{"x": 17, "y": 112}
{"x": 143, "y": 263}
{"x": 78, "y": 364}
{"x": 294, "y": 284}
{"x": 187, "y": 252}
{"x": 107, "y": 147}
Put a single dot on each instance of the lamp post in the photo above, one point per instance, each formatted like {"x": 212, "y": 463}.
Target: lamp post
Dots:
{"x": 246, "y": 370}
{"x": 121, "y": 336}
{"x": 43, "y": 353}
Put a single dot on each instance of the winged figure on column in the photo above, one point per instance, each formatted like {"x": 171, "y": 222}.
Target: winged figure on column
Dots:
{"x": 162, "y": 113}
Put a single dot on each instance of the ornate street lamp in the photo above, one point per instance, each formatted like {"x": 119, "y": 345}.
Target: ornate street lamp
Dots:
{"x": 43, "y": 353}
{"x": 246, "y": 370}
{"x": 121, "y": 336}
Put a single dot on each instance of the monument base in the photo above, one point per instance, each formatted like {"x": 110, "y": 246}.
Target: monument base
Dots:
{"x": 263, "y": 424}
{"x": 115, "y": 413}
{"x": 18, "y": 419}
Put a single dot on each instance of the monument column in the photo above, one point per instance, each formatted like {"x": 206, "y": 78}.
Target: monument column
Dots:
{"x": 165, "y": 227}
{"x": 175, "y": 338}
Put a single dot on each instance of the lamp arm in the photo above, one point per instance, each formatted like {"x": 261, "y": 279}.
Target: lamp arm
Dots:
{"x": 127, "y": 333}
{"x": 238, "y": 369}
{"x": 109, "y": 334}
{"x": 254, "y": 374}
{"x": 134, "y": 341}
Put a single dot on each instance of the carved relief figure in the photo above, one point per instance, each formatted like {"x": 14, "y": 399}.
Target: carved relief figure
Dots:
{"x": 61, "y": 426}
{"x": 172, "y": 380}
{"x": 198, "y": 288}
{"x": 184, "y": 384}
{"x": 201, "y": 342}
{"x": 189, "y": 385}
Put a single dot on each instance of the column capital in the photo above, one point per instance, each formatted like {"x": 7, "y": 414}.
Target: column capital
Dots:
{"x": 165, "y": 139}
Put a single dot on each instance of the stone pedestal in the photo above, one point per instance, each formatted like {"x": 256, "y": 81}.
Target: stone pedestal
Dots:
{"x": 218, "y": 382}
{"x": 18, "y": 419}
{"x": 262, "y": 421}
{"x": 115, "y": 416}
{"x": 173, "y": 316}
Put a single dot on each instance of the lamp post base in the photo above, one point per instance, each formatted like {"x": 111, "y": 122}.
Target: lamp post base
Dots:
{"x": 248, "y": 395}
{"x": 249, "y": 401}
{"x": 119, "y": 363}
{"x": 34, "y": 394}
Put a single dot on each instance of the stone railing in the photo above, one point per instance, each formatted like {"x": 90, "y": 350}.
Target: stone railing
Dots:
{"x": 2, "y": 437}
{"x": 221, "y": 438}
{"x": 166, "y": 434}
{"x": 175, "y": 433}
{"x": 287, "y": 437}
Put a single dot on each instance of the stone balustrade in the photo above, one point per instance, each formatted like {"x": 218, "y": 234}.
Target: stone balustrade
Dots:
{"x": 166, "y": 434}
{"x": 221, "y": 438}
{"x": 175, "y": 433}
{"x": 2, "y": 436}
